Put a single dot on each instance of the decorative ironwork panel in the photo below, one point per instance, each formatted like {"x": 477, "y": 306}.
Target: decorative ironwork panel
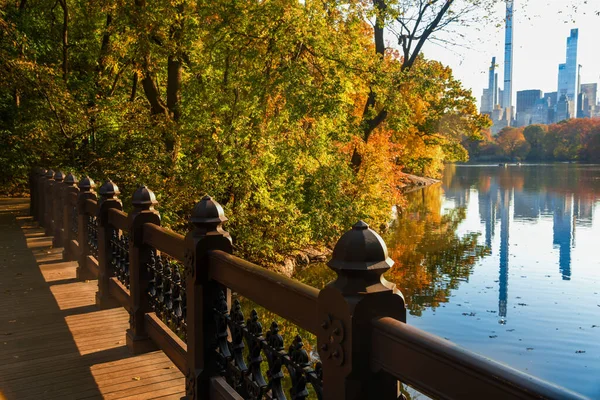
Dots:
{"x": 74, "y": 222}
{"x": 92, "y": 236}
{"x": 246, "y": 375}
{"x": 166, "y": 291}
{"x": 119, "y": 256}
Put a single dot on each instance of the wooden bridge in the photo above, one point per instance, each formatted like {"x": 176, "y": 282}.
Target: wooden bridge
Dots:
{"x": 99, "y": 303}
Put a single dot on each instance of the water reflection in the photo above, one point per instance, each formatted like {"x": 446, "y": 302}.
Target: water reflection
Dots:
{"x": 516, "y": 246}
{"x": 430, "y": 258}
{"x": 568, "y": 193}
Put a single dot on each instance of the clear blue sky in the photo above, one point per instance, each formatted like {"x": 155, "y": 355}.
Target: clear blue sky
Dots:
{"x": 541, "y": 28}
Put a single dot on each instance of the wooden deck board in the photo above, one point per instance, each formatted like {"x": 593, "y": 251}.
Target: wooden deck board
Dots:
{"x": 54, "y": 342}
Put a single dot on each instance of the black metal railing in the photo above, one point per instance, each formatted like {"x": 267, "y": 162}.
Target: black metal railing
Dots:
{"x": 246, "y": 375}
{"x": 119, "y": 261}
{"x": 166, "y": 291}
{"x": 92, "y": 235}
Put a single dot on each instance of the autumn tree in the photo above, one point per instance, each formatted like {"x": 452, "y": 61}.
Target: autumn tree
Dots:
{"x": 513, "y": 143}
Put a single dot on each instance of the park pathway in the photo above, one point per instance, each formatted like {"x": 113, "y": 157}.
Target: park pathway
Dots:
{"x": 54, "y": 342}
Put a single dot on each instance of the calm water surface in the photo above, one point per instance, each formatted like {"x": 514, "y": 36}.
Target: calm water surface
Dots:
{"x": 505, "y": 262}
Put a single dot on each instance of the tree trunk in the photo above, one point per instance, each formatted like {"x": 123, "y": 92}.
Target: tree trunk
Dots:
{"x": 134, "y": 86}
{"x": 174, "y": 86}
{"x": 369, "y": 124}
{"x": 151, "y": 90}
{"x": 65, "y": 39}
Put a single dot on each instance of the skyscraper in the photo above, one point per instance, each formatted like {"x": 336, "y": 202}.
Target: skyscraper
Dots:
{"x": 490, "y": 95}
{"x": 508, "y": 61}
{"x": 568, "y": 74}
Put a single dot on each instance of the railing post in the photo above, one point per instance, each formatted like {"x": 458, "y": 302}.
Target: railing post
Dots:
{"x": 40, "y": 198}
{"x": 143, "y": 202}
{"x": 108, "y": 200}
{"x": 69, "y": 186}
{"x": 345, "y": 309}
{"x": 86, "y": 191}
{"x": 33, "y": 182}
{"x": 57, "y": 208}
{"x": 207, "y": 234}
{"x": 47, "y": 201}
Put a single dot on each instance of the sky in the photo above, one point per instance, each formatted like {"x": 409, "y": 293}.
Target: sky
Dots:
{"x": 541, "y": 28}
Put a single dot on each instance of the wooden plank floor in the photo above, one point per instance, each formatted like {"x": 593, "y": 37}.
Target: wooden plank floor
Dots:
{"x": 54, "y": 342}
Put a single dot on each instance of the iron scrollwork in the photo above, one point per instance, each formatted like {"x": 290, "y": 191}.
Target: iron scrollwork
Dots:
{"x": 119, "y": 260}
{"x": 245, "y": 374}
{"x": 92, "y": 236}
{"x": 166, "y": 291}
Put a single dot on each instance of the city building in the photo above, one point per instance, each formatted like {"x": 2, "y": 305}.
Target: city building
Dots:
{"x": 587, "y": 100}
{"x": 568, "y": 74}
{"x": 508, "y": 62}
{"x": 526, "y": 105}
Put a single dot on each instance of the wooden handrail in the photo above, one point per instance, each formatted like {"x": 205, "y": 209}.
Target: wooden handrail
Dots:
{"x": 165, "y": 240}
{"x": 444, "y": 370}
{"x": 286, "y": 297}
{"x": 118, "y": 219}
{"x": 91, "y": 207}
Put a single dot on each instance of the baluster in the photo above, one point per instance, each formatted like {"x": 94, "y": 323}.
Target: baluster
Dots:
{"x": 275, "y": 353}
{"x": 238, "y": 369}
{"x": 151, "y": 267}
{"x": 167, "y": 290}
{"x": 177, "y": 300}
{"x": 256, "y": 385}
{"x": 125, "y": 259}
{"x": 299, "y": 358}
{"x": 160, "y": 287}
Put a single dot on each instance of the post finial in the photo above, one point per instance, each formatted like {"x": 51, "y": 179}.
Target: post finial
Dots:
{"x": 86, "y": 184}
{"x": 70, "y": 179}
{"x": 144, "y": 199}
{"x": 49, "y": 174}
{"x": 109, "y": 190}
{"x": 59, "y": 176}
{"x": 208, "y": 214}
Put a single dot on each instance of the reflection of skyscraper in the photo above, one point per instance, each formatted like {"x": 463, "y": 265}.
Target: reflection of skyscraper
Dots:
{"x": 563, "y": 232}
{"x": 487, "y": 212}
{"x": 504, "y": 251}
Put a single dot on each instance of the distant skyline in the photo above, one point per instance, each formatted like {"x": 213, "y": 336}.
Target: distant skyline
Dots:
{"x": 541, "y": 28}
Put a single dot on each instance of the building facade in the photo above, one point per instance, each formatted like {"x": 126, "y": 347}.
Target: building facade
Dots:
{"x": 568, "y": 74}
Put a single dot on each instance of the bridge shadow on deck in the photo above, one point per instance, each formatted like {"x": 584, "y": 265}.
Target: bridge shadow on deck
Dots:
{"x": 54, "y": 342}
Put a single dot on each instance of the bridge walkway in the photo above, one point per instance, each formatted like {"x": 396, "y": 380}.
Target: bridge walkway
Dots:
{"x": 54, "y": 342}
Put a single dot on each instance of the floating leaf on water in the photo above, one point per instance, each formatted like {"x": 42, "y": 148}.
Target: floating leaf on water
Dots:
{"x": 136, "y": 378}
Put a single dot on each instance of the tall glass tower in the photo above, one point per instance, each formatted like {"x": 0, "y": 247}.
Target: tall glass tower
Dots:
{"x": 568, "y": 73}
{"x": 508, "y": 62}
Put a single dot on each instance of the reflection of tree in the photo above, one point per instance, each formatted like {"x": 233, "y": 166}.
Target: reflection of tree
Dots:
{"x": 431, "y": 259}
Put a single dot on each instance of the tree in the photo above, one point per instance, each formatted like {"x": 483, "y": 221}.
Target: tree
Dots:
{"x": 413, "y": 23}
{"x": 513, "y": 143}
{"x": 535, "y": 134}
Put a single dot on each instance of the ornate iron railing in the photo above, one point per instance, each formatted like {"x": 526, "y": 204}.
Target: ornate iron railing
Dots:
{"x": 74, "y": 221}
{"x": 166, "y": 291}
{"x": 246, "y": 375}
{"x": 119, "y": 250}
{"x": 92, "y": 235}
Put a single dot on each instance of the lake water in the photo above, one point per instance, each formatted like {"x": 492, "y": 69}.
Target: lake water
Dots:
{"x": 505, "y": 261}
